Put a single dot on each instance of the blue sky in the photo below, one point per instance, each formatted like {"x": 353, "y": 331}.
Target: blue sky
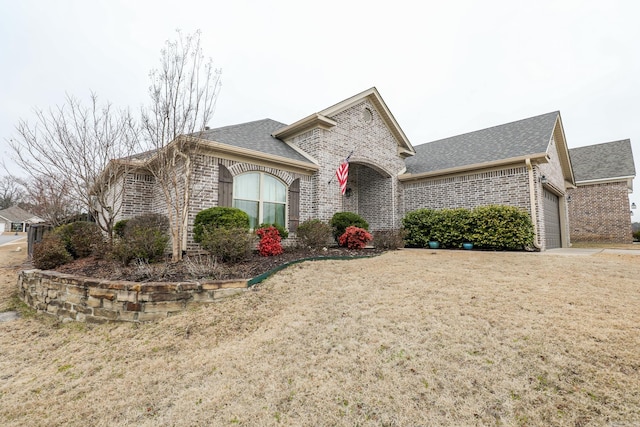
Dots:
{"x": 443, "y": 68}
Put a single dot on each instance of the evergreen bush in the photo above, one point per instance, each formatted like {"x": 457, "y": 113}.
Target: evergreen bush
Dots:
{"x": 81, "y": 239}
{"x": 219, "y": 217}
{"x": 118, "y": 228}
{"x": 420, "y": 227}
{"x": 501, "y": 227}
{"x": 488, "y": 227}
{"x": 50, "y": 252}
{"x": 228, "y": 244}
{"x": 144, "y": 237}
{"x": 341, "y": 220}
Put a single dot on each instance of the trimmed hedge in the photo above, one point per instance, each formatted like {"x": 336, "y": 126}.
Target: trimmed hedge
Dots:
{"x": 219, "y": 217}
{"x": 487, "y": 227}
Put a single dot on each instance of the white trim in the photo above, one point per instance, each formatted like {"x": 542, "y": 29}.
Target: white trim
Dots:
{"x": 603, "y": 180}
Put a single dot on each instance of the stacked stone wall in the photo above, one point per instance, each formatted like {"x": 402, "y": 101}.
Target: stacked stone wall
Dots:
{"x": 74, "y": 298}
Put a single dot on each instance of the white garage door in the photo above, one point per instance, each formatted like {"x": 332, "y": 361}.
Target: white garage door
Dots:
{"x": 1, "y": 227}
{"x": 552, "y": 220}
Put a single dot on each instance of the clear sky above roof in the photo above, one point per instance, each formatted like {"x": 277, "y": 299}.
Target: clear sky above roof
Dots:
{"x": 443, "y": 68}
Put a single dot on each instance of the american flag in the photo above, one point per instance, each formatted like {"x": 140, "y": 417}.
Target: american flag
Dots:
{"x": 343, "y": 173}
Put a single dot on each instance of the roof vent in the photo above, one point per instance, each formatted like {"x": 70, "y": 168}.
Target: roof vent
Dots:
{"x": 207, "y": 128}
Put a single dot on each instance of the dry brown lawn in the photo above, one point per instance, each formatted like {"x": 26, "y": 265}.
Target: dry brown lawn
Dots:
{"x": 409, "y": 338}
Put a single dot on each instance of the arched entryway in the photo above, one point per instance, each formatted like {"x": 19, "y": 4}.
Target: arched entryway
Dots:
{"x": 372, "y": 194}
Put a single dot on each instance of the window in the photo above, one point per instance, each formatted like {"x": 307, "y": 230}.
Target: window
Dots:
{"x": 262, "y": 196}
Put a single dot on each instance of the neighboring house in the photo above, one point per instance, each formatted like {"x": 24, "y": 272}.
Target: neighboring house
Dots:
{"x": 599, "y": 205}
{"x": 15, "y": 219}
{"x": 286, "y": 173}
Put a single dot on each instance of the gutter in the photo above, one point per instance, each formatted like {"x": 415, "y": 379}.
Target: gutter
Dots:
{"x": 539, "y": 157}
{"x": 532, "y": 196}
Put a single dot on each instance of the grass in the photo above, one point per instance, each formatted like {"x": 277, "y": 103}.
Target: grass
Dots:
{"x": 413, "y": 337}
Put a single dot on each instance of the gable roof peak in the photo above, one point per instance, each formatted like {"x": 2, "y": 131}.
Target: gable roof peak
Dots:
{"x": 323, "y": 119}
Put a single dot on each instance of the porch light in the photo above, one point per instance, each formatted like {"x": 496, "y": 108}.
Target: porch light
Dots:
{"x": 544, "y": 180}
{"x": 633, "y": 205}
{"x": 347, "y": 192}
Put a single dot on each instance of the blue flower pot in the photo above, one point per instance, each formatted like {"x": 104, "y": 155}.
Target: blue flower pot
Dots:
{"x": 434, "y": 245}
{"x": 467, "y": 246}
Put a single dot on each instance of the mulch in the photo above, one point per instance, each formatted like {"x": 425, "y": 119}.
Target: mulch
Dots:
{"x": 198, "y": 267}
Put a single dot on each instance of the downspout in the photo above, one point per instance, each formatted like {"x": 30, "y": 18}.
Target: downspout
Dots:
{"x": 532, "y": 197}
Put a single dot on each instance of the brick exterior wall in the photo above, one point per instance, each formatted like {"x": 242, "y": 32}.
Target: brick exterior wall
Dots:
{"x": 374, "y": 157}
{"x": 498, "y": 187}
{"x": 600, "y": 213}
{"x": 137, "y": 198}
{"x": 376, "y": 193}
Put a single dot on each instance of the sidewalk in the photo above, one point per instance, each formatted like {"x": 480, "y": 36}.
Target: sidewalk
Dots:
{"x": 590, "y": 251}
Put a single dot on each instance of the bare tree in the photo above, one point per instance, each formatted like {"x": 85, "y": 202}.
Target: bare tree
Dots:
{"x": 51, "y": 199}
{"x": 11, "y": 191}
{"x": 69, "y": 148}
{"x": 183, "y": 93}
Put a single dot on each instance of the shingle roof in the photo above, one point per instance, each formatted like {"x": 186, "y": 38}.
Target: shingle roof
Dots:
{"x": 603, "y": 161}
{"x": 515, "y": 139}
{"x": 16, "y": 214}
{"x": 254, "y": 136}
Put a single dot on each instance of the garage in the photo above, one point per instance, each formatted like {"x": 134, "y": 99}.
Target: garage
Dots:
{"x": 552, "y": 220}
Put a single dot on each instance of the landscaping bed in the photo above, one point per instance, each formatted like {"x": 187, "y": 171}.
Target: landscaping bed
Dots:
{"x": 196, "y": 267}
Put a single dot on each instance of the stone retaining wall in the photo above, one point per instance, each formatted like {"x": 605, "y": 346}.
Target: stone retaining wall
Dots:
{"x": 91, "y": 300}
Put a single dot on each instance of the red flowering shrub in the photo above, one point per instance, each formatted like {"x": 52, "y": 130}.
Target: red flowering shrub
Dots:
{"x": 355, "y": 238}
{"x": 269, "y": 244}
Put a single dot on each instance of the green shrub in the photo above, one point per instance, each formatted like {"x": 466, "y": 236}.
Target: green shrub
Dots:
{"x": 389, "y": 239}
{"x": 281, "y": 230}
{"x": 501, "y": 227}
{"x": 81, "y": 238}
{"x": 228, "y": 244}
{"x": 341, "y": 220}
{"x": 420, "y": 227}
{"x": 314, "y": 234}
{"x": 219, "y": 217}
{"x": 636, "y": 236}
{"x": 145, "y": 237}
{"x": 453, "y": 226}
{"x": 118, "y": 228}
{"x": 50, "y": 252}
{"x": 489, "y": 227}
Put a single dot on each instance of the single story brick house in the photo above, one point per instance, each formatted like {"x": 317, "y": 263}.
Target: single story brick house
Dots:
{"x": 599, "y": 204}
{"x": 286, "y": 173}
